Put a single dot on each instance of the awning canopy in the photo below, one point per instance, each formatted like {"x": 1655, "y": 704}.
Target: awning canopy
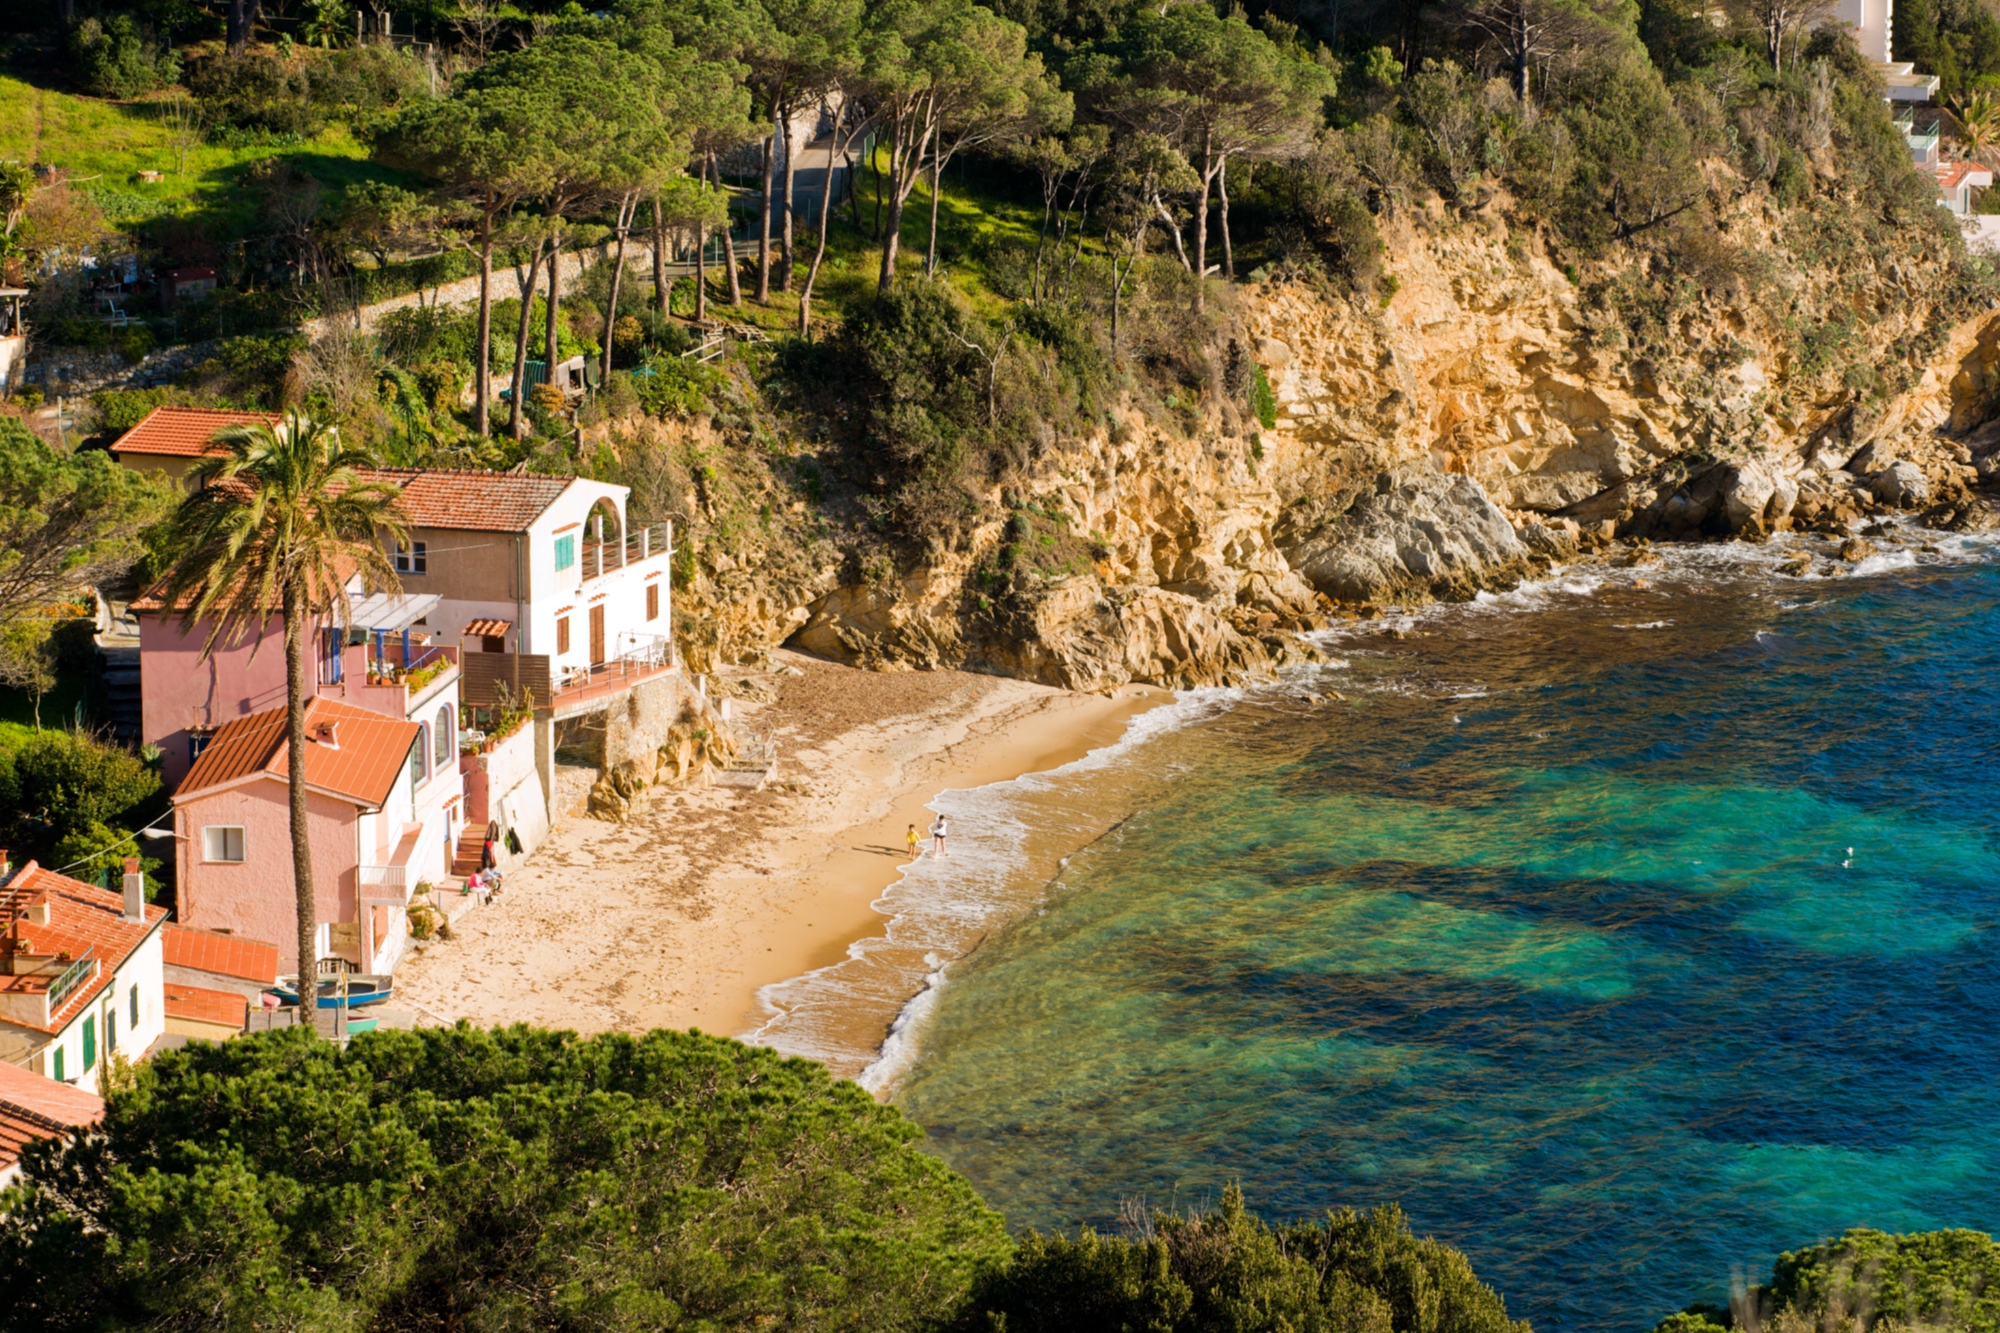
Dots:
{"x": 488, "y": 629}
{"x": 392, "y": 611}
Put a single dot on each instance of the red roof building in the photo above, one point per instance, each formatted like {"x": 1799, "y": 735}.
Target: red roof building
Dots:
{"x": 171, "y": 438}
{"x": 216, "y": 954}
{"x": 381, "y": 800}
{"x": 352, "y": 753}
{"x": 32, "y": 1108}
{"x": 196, "y": 1011}
{"x": 80, "y": 973}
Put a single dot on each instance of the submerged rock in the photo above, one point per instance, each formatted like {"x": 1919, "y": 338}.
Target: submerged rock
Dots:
{"x": 1416, "y": 532}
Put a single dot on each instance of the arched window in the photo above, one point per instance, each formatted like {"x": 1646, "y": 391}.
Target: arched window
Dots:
{"x": 441, "y": 739}
{"x": 420, "y": 754}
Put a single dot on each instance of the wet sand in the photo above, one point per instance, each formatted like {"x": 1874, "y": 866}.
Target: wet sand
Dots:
{"x": 677, "y": 917}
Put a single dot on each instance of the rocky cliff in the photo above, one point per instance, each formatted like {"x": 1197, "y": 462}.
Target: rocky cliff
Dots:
{"x": 1497, "y": 411}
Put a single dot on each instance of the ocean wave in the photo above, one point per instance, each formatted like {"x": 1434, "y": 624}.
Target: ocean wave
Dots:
{"x": 939, "y": 910}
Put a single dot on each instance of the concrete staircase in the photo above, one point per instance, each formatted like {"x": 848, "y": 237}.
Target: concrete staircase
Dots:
{"x": 471, "y": 849}
{"x": 118, "y": 660}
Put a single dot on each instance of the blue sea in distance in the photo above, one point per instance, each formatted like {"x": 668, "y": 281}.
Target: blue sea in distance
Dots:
{"x": 1549, "y": 930}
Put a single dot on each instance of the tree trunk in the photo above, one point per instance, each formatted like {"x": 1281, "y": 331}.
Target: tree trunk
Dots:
{"x": 876, "y": 171}
{"x": 482, "y": 371}
{"x": 242, "y": 22}
{"x": 785, "y": 214}
{"x": 819, "y": 251}
{"x": 517, "y": 422}
{"x": 549, "y": 343}
{"x": 625, "y": 208}
{"x": 900, "y": 186}
{"x": 930, "y": 246}
{"x": 1521, "y": 44}
{"x": 304, "y": 901}
{"x": 764, "y": 225}
{"x": 1222, "y": 193}
{"x": 701, "y": 260}
{"x": 729, "y": 245}
{"x": 1201, "y": 227}
{"x": 662, "y": 294}
{"x": 847, "y": 188}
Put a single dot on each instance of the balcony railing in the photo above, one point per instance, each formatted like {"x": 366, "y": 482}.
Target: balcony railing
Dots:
{"x": 383, "y": 879}
{"x": 599, "y": 558}
{"x": 77, "y": 974}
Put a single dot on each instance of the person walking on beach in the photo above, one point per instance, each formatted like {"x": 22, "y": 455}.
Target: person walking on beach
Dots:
{"x": 937, "y": 836}
{"x": 912, "y": 839}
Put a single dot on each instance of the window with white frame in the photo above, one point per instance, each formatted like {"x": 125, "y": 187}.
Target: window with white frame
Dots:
{"x": 222, "y": 842}
{"x": 412, "y": 559}
{"x": 441, "y": 742}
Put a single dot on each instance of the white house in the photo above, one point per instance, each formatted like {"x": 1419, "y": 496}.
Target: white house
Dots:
{"x": 81, "y": 973}
{"x": 543, "y": 572}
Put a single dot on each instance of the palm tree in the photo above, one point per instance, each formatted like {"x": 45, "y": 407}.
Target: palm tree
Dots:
{"x": 283, "y": 519}
{"x": 1976, "y": 126}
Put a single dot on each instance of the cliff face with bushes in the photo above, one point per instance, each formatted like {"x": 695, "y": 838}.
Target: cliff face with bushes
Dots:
{"x": 1486, "y": 411}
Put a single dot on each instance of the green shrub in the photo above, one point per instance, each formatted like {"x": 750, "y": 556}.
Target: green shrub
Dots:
{"x": 511, "y": 1179}
{"x": 1229, "y": 1270}
{"x": 60, "y": 784}
{"x": 114, "y": 57}
{"x": 671, "y": 386}
{"x": 121, "y": 409}
{"x": 136, "y": 342}
{"x": 256, "y": 90}
{"x": 1263, "y": 403}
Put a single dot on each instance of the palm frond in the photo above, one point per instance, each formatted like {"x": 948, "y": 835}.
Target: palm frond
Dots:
{"x": 285, "y": 508}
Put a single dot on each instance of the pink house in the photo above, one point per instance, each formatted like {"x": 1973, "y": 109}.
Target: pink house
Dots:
{"x": 377, "y": 791}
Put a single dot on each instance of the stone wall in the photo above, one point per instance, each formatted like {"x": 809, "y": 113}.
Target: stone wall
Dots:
{"x": 636, "y": 726}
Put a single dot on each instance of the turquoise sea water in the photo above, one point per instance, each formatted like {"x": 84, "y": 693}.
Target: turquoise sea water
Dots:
{"x": 1550, "y": 931}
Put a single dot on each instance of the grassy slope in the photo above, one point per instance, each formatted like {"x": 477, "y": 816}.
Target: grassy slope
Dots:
{"x": 107, "y": 144}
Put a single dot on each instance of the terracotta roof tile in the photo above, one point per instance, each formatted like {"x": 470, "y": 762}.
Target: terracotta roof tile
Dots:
{"x": 82, "y": 920}
{"x": 201, "y": 1005}
{"x": 473, "y": 501}
{"x": 33, "y": 1107}
{"x": 488, "y": 628}
{"x": 360, "y": 765}
{"x": 184, "y": 432}
{"x": 223, "y": 955}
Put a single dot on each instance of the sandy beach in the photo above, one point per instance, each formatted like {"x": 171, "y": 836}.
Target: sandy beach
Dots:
{"x": 677, "y": 917}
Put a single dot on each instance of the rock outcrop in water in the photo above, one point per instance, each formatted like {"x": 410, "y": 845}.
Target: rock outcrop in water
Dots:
{"x": 1418, "y": 534}
{"x": 1495, "y": 414}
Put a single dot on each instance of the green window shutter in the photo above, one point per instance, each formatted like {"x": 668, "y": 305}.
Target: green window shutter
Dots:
{"x": 90, "y": 1041}
{"x": 566, "y": 551}
{"x": 56, "y": 1066}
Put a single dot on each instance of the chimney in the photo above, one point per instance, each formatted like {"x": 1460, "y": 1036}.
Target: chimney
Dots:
{"x": 328, "y": 734}
{"x": 135, "y": 891}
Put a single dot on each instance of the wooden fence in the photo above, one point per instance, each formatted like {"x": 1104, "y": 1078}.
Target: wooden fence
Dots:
{"x": 484, "y": 673}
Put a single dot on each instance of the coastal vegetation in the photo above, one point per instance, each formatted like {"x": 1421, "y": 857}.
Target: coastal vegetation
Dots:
{"x": 521, "y": 1178}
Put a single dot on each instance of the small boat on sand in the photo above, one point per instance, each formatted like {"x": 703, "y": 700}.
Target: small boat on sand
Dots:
{"x": 360, "y": 987}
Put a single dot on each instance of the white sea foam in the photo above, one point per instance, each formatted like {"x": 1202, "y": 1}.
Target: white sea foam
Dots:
{"x": 940, "y": 911}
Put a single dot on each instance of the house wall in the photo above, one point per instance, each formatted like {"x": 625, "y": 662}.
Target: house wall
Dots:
{"x": 144, "y": 970}
{"x": 515, "y": 798}
{"x": 178, "y": 689}
{"x": 255, "y": 898}
{"x": 1871, "y": 21}
{"x": 170, "y": 467}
